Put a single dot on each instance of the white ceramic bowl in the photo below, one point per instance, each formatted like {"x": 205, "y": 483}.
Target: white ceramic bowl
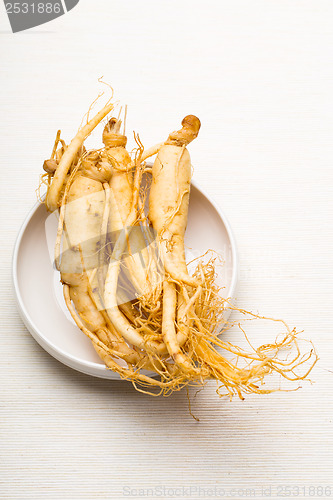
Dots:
{"x": 39, "y": 292}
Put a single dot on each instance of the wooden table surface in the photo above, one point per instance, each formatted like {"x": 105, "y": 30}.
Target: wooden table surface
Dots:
{"x": 259, "y": 75}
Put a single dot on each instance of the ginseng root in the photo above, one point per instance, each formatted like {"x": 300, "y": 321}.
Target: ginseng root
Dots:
{"x": 169, "y": 198}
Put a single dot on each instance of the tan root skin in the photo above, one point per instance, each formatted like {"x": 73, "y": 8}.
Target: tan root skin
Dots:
{"x": 85, "y": 202}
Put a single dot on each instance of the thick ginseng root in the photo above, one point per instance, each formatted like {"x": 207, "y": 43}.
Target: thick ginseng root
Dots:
{"x": 135, "y": 261}
{"x": 84, "y": 215}
{"x": 169, "y": 198}
{"x": 168, "y": 209}
{"x": 83, "y": 218}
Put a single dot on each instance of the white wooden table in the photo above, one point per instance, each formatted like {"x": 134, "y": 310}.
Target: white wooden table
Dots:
{"x": 259, "y": 75}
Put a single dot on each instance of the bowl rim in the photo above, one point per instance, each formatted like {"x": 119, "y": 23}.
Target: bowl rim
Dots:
{"x": 90, "y": 367}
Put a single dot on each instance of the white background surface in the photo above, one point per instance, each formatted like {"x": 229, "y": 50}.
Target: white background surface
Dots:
{"x": 259, "y": 75}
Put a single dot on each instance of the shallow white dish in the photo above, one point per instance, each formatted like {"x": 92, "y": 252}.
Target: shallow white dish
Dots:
{"x": 39, "y": 292}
